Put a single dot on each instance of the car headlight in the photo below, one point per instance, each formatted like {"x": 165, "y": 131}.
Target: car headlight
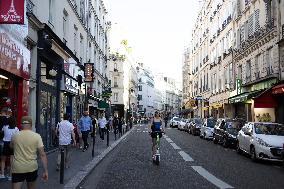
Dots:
{"x": 262, "y": 142}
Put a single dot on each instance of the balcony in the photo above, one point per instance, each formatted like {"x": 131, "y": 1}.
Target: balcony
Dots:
{"x": 283, "y": 31}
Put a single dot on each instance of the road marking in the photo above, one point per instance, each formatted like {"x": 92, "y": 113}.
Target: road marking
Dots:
{"x": 211, "y": 178}
{"x": 169, "y": 140}
{"x": 185, "y": 156}
{"x": 176, "y": 147}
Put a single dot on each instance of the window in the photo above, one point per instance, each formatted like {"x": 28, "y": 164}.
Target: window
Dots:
{"x": 51, "y": 9}
{"x": 81, "y": 46}
{"x": 115, "y": 97}
{"x": 115, "y": 84}
{"x": 139, "y": 97}
{"x": 140, "y": 87}
{"x": 256, "y": 20}
{"x": 65, "y": 24}
{"x": 256, "y": 66}
{"x": 115, "y": 66}
{"x": 248, "y": 71}
{"x": 240, "y": 72}
{"x": 75, "y": 39}
{"x": 269, "y": 61}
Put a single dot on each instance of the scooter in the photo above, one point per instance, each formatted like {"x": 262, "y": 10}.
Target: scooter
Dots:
{"x": 157, "y": 156}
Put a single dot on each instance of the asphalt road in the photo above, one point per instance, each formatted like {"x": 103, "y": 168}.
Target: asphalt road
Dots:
{"x": 186, "y": 162}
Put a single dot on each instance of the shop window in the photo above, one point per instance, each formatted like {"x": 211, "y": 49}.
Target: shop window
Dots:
{"x": 43, "y": 74}
{"x": 8, "y": 93}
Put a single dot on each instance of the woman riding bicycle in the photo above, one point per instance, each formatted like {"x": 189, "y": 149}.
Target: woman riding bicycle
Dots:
{"x": 156, "y": 126}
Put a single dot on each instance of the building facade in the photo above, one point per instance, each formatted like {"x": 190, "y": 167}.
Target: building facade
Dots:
{"x": 69, "y": 48}
{"x": 235, "y": 59}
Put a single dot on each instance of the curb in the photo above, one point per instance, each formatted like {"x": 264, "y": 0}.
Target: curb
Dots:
{"x": 74, "y": 182}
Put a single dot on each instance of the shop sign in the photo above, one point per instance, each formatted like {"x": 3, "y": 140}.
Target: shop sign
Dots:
{"x": 12, "y": 11}
{"x": 14, "y": 56}
{"x": 70, "y": 85}
{"x": 89, "y": 72}
{"x": 239, "y": 84}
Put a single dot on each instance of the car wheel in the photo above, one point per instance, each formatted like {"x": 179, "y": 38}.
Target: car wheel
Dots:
{"x": 200, "y": 135}
{"x": 204, "y": 136}
{"x": 225, "y": 143}
{"x": 253, "y": 154}
{"x": 239, "y": 151}
{"x": 215, "y": 141}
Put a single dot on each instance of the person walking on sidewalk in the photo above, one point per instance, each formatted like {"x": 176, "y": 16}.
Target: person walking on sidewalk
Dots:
{"x": 3, "y": 122}
{"x": 26, "y": 144}
{"x": 115, "y": 123}
{"x": 9, "y": 130}
{"x": 102, "y": 124}
{"x": 95, "y": 125}
{"x": 65, "y": 129}
{"x": 85, "y": 125}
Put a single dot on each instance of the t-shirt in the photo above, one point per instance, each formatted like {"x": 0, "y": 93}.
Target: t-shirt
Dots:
{"x": 8, "y": 133}
{"x": 26, "y": 143}
{"x": 102, "y": 122}
{"x": 157, "y": 123}
{"x": 65, "y": 129}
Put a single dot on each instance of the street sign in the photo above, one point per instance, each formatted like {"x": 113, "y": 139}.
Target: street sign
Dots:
{"x": 239, "y": 84}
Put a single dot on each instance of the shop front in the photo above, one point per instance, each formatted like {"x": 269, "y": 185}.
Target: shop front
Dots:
{"x": 14, "y": 70}
{"x": 217, "y": 109}
{"x": 278, "y": 94}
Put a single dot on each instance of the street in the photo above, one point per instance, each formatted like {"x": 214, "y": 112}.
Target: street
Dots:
{"x": 186, "y": 162}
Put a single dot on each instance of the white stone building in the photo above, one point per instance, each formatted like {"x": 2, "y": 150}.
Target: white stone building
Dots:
{"x": 67, "y": 38}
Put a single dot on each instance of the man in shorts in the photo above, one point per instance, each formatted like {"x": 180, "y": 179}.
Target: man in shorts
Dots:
{"x": 26, "y": 144}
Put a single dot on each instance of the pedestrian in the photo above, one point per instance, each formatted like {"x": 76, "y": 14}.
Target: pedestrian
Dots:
{"x": 85, "y": 124}
{"x": 120, "y": 124}
{"x": 166, "y": 120}
{"x": 9, "y": 130}
{"x": 26, "y": 145}
{"x": 95, "y": 125}
{"x": 3, "y": 122}
{"x": 115, "y": 123}
{"x": 65, "y": 130}
{"x": 110, "y": 121}
{"x": 102, "y": 126}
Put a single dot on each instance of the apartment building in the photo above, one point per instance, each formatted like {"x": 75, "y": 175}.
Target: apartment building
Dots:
{"x": 235, "y": 58}
{"x": 69, "y": 48}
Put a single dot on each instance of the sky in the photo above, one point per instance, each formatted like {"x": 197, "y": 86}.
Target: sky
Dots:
{"x": 157, "y": 30}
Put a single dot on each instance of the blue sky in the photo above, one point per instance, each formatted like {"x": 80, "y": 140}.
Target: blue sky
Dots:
{"x": 157, "y": 30}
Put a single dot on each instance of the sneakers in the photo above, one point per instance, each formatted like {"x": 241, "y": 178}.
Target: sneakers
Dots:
{"x": 9, "y": 178}
{"x": 2, "y": 177}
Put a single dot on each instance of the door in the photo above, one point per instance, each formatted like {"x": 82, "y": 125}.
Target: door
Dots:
{"x": 47, "y": 118}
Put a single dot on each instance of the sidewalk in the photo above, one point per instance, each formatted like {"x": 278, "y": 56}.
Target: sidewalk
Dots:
{"x": 78, "y": 160}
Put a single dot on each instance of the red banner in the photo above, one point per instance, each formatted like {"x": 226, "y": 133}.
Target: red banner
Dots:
{"x": 12, "y": 11}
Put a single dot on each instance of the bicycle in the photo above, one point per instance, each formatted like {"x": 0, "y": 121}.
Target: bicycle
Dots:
{"x": 157, "y": 155}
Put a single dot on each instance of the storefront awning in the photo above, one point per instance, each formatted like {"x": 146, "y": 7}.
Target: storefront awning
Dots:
{"x": 243, "y": 97}
{"x": 265, "y": 99}
{"x": 278, "y": 89}
{"x": 103, "y": 104}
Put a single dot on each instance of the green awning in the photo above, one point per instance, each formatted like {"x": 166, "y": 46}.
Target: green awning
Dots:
{"x": 103, "y": 104}
{"x": 243, "y": 97}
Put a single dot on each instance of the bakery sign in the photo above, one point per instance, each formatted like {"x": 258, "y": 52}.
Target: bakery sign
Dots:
{"x": 12, "y": 11}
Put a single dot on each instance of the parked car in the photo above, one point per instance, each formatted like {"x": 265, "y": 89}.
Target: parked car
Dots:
{"x": 187, "y": 125}
{"x": 226, "y": 131}
{"x": 174, "y": 121}
{"x": 195, "y": 126}
{"x": 262, "y": 140}
{"x": 181, "y": 124}
{"x": 207, "y": 128}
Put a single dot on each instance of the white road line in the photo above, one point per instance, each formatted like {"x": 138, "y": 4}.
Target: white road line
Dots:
{"x": 185, "y": 156}
{"x": 211, "y": 178}
{"x": 169, "y": 140}
{"x": 175, "y": 146}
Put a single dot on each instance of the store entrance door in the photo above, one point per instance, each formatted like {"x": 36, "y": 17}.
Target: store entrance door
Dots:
{"x": 47, "y": 118}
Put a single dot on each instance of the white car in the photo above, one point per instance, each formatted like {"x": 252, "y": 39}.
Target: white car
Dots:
{"x": 261, "y": 140}
{"x": 181, "y": 124}
{"x": 207, "y": 128}
{"x": 174, "y": 121}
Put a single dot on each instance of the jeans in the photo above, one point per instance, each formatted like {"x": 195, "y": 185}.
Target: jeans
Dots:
{"x": 85, "y": 135}
{"x": 102, "y": 133}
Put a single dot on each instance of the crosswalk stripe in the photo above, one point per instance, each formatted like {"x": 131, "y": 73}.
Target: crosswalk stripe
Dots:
{"x": 185, "y": 156}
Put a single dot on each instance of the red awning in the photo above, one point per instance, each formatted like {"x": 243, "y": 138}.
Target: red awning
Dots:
{"x": 265, "y": 100}
{"x": 278, "y": 89}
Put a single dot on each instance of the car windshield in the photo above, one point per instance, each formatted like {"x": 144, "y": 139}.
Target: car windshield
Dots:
{"x": 197, "y": 121}
{"x": 269, "y": 129}
{"x": 211, "y": 123}
{"x": 177, "y": 119}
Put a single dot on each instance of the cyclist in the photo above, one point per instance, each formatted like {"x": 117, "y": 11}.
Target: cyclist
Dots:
{"x": 155, "y": 126}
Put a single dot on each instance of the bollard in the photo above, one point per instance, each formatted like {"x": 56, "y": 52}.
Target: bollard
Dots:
{"x": 115, "y": 131}
{"x": 107, "y": 137}
{"x": 62, "y": 166}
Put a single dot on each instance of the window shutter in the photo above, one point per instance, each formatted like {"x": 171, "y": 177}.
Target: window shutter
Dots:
{"x": 250, "y": 26}
{"x": 256, "y": 20}
{"x": 238, "y": 38}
